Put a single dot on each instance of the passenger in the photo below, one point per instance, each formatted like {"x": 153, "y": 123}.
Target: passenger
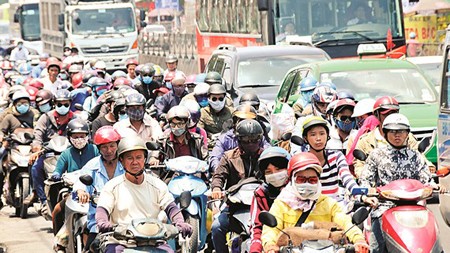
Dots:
{"x": 173, "y": 97}
{"x": 216, "y": 114}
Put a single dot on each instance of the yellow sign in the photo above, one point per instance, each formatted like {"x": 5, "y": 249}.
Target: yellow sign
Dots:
{"x": 425, "y": 28}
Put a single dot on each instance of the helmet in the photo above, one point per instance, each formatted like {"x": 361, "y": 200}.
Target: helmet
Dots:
{"x": 88, "y": 75}
{"x": 244, "y": 112}
{"x": 36, "y": 84}
{"x": 131, "y": 62}
{"x": 131, "y": 143}
{"x": 216, "y": 89}
{"x": 138, "y": 69}
{"x": 52, "y": 61}
{"x": 345, "y": 94}
{"x": 6, "y": 65}
{"x": 385, "y": 104}
{"x": 396, "y": 121}
{"x": 190, "y": 79}
{"x": 100, "y": 65}
{"x": 270, "y": 153}
{"x": 194, "y": 110}
{"x": 19, "y": 95}
{"x": 32, "y": 91}
{"x": 77, "y": 59}
{"x": 308, "y": 83}
{"x": 329, "y": 84}
{"x": 120, "y": 81}
{"x": 249, "y": 98}
{"x": 97, "y": 81}
{"x": 200, "y": 78}
{"x": 323, "y": 94}
{"x": 178, "y": 111}
{"x": 364, "y": 106}
{"x": 74, "y": 68}
{"x": 27, "y": 81}
{"x": 77, "y": 126}
{"x": 303, "y": 161}
{"x": 77, "y": 80}
{"x": 14, "y": 89}
{"x": 313, "y": 121}
{"x": 113, "y": 95}
{"x": 412, "y": 35}
{"x": 341, "y": 104}
{"x": 147, "y": 70}
{"x": 213, "y": 78}
{"x": 43, "y": 97}
{"x": 135, "y": 99}
{"x": 249, "y": 127}
{"x": 62, "y": 95}
{"x": 171, "y": 59}
{"x": 201, "y": 88}
{"x": 158, "y": 70}
{"x": 106, "y": 134}
{"x": 169, "y": 76}
{"x": 24, "y": 68}
{"x": 117, "y": 74}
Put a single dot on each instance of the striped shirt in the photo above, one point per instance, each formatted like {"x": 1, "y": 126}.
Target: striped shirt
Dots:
{"x": 334, "y": 170}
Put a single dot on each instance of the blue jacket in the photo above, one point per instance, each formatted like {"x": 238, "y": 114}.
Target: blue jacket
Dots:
{"x": 71, "y": 159}
{"x": 97, "y": 171}
{"x": 226, "y": 141}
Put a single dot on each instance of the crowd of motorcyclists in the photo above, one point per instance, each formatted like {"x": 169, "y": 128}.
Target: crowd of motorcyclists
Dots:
{"x": 110, "y": 118}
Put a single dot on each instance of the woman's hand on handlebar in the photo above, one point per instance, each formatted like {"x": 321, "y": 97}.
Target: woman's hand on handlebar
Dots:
{"x": 361, "y": 246}
{"x": 83, "y": 197}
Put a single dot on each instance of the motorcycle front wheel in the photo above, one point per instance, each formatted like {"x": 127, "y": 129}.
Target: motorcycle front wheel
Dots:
{"x": 191, "y": 246}
{"x": 23, "y": 187}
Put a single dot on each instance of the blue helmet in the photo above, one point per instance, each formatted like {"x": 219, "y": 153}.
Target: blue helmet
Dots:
{"x": 308, "y": 83}
{"x": 272, "y": 153}
{"x": 345, "y": 94}
{"x": 24, "y": 68}
{"x": 329, "y": 84}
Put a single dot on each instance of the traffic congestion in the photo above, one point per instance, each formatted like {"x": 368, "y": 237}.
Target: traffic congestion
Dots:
{"x": 260, "y": 141}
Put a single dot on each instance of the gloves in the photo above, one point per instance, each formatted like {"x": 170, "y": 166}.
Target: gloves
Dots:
{"x": 361, "y": 247}
{"x": 55, "y": 177}
{"x": 185, "y": 229}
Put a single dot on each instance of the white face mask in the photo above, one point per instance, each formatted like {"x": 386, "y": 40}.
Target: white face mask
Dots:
{"x": 308, "y": 191}
{"x": 217, "y": 105}
{"x": 277, "y": 179}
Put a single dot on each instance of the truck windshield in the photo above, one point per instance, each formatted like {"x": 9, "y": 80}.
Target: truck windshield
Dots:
{"x": 29, "y": 22}
{"x": 103, "y": 21}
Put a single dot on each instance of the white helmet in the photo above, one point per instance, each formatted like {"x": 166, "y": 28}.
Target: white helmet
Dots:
{"x": 100, "y": 65}
{"x": 364, "y": 106}
{"x": 396, "y": 121}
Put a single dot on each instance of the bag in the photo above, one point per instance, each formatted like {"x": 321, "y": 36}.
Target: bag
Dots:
{"x": 282, "y": 122}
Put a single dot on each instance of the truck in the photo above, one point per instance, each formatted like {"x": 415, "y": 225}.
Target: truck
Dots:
{"x": 99, "y": 29}
{"x": 25, "y": 24}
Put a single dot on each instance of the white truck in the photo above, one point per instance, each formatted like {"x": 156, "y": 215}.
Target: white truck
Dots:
{"x": 25, "y": 23}
{"x": 100, "y": 29}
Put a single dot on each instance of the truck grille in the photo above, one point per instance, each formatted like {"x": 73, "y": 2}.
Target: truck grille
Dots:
{"x": 422, "y": 132}
{"x": 102, "y": 50}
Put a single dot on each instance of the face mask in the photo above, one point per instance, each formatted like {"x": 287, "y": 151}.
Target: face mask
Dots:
{"x": 79, "y": 143}
{"x": 22, "y": 109}
{"x": 308, "y": 191}
{"x": 203, "y": 103}
{"x": 62, "y": 110}
{"x": 178, "y": 131}
{"x": 42, "y": 64}
{"x": 178, "y": 91}
{"x": 306, "y": 98}
{"x": 169, "y": 85}
{"x": 45, "y": 108}
{"x": 218, "y": 105}
{"x": 135, "y": 114}
{"x": 123, "y": 117}
{"x": 20, "y": 46}
{"x": 277, "y": 179}
{"x": 67, "y": 53}
{"x": 147, "y": 79}
{"x": 346, "y": 127}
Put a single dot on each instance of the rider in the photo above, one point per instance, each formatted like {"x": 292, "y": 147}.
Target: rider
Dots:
{"x": 394, "y": 161}
{"x": 302, "y": 105}
{"x": 52, "y": 82}
{"x": 171, "y": 64}
{"x": 194, "y": 110}
{"x": 236, "y": 164}
{"x": 131, "y": 70}
{"x": 272, "y": 166}
{"x": 344, "y": 125}
{"x": 108, "y": 119}
{"x": 173, "y": 97}
{"x": 102, "y": 168}
{"x": 135, "y": 195}
{"x": 302, "y": 196}
{"x": 21, "y": 114}
{"x": 146, "y": 86}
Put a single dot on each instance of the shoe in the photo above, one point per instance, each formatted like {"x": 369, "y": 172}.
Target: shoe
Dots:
{"x": 42, "y": 209}
{"x": 30, "y": 198}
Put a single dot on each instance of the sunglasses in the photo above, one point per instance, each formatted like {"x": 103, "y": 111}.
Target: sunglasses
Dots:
{"x": 214, "y": 99}
{"x": 302, "y": 179}
{"x": 400, "y": 131}
{"x": 346, "y": 118}
{"x": 179, "y": 124}
{"x": 61, "y": 104}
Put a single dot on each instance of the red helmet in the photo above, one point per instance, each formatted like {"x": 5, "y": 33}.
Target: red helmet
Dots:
{"x": 52, "y": 61}
{"x": 303, "y": 161}
{"x": 169, "y": 76}
{"x": 32, "y": 91}
{"x": 122, "y": 81}
{"x": 190, "y": 79}
{"x": 43, "y": 96}
{"x": 6, "y": 65}
{"x": 343, "y": 103}
{"x": 131, "y": 62}
{"x": 106, "y": 134}
{"x": 386, "y": 104}
{"x": 36, "y": 84}
{"x": 77, "y": 80}
{"x": 27, "y": 81}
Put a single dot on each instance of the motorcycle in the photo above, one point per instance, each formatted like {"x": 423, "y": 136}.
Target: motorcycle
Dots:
{"x": 314, "y": 245}
{"x": 17, "y": 180}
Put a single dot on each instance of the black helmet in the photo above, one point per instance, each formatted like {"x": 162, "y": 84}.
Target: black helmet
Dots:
{"x": 62, "y": 95}
{"x": 131, "y": 143}
{"x": 77, "y": 126}
{"x": 249, "y": 127}
{"x": 135, "y": 99}
{"x": 171, "y": 59}
{"x": 217, "y": 89}
{"x": 147, "y": 70}
{"x": 43, "y": 96}
{"x": 213, "y": 77}
{"x": 113, "y": 95}
{"x": 250, "y": 98}
{"x": 244, "y": 112}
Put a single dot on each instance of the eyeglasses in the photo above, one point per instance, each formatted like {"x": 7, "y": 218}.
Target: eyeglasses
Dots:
{"x": 346, "y": 118}
{"x": 61, "y": 104}
{"x": 399, "y": 131}
{"x": 179, "y": 124}
{"x": 302, "y": 179}
{"x": 214, "y": 99}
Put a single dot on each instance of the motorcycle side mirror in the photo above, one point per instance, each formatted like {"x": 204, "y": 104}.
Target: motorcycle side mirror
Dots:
{"x": 267, "y": 219}
{"x": 424, "y": 144}
{"x": 443, "y": 172}
{"x": 297, "y": 140}
{"x": 185, "y": 199}
{"x": 151, "y": 145}
{"x": 86, "y": 180}
{"x": 359, "y": 154}
{"x": 28, "y": 136}
{"x": 360, "y": 215}
{"x": 286, "y": 136}
{"x": 79, "y": 107}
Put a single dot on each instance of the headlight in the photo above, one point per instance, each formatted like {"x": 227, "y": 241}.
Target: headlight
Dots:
{"x": 412, "y": 219}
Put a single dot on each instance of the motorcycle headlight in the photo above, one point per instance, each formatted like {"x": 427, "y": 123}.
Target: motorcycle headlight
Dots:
{"x": 412, "y": 219}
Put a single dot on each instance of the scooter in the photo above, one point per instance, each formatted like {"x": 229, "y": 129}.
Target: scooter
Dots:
{"x": 18, "y": 178}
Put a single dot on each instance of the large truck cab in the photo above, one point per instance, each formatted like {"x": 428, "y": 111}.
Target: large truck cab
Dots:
{"x": 26, "y": 16}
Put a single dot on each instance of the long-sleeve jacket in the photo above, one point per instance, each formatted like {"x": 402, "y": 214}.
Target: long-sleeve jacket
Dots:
{"x": 326, "y": 209}
{"x": 47, "y": 127}
{"x": 213, "y": 122}
{"x": 194, "y": 141}
{"x": 14, "y": 120}
{"x": 147, "y": 89}
{"x": 72, "y": 159}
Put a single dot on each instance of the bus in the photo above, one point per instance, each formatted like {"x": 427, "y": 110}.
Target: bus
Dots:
{"x": 336, "y": 26}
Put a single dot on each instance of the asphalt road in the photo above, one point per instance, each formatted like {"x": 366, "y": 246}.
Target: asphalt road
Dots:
{"x": 34, "y": 234}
